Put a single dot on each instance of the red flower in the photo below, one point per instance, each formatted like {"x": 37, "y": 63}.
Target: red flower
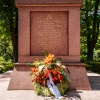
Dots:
{"x": 54, "y": 72}
{"x": 54, "y": 79}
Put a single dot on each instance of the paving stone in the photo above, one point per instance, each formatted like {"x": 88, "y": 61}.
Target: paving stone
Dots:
{"x": 31, "y": 95}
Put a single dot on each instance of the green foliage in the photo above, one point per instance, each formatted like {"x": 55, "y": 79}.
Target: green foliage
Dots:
{"x": 5, "y": 65}
{"x": 83, "y": 49}
{"x": 90, "y": 28}
{"x": 8, "y": 24}
{"x": 40, "y": 90}
{"x": 44, "y": 90}
{"x": 46, "y": 53}
{"x": 5, "y": 47}
{"x": 62, "y": 87}
{"x": 93, "y": 66}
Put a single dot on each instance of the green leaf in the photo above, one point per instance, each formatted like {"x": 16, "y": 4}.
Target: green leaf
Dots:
{"x": 58, "y": 59}
{"x": 68, "y": 70}
{"x": 31, "y": 73}
{"x": 46, "y": 53}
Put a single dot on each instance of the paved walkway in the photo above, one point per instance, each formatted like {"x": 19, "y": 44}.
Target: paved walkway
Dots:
{"x": 30, "y": 94}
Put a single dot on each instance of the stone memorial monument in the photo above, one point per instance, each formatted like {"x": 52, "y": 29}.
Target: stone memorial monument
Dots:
{"x": 52, "y": 25}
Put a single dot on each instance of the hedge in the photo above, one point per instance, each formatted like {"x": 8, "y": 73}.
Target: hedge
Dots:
{"x": 93, "y": 66}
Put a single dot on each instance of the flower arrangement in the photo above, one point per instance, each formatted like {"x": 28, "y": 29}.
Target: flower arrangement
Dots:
{"x": 50, "y": 68}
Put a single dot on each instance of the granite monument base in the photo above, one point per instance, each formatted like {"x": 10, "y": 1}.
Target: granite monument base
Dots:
{"x": 20, "y": 79}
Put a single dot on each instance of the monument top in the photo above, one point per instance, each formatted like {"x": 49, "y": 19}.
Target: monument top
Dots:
{"x": 47, "y": 2}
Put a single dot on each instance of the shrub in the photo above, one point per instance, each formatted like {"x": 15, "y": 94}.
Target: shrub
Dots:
{"x": 5, "y": 65}
{"x": 93, "y": 66}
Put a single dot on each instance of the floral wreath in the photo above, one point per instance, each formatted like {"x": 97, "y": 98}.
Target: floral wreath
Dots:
{"x": 48, "y": 76}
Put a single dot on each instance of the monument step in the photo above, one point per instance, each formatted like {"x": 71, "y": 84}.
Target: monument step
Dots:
{"x": 21, "y": 80}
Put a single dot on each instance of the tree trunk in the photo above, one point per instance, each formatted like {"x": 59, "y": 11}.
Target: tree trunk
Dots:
{"x": 15, "y": 48}
{"x": 90, "y": 54}
{"x": 90, "y": 48}
{"x": 15, "y": 42}
{"x": 92, "y": 39}
{"x": 14, "y": 36}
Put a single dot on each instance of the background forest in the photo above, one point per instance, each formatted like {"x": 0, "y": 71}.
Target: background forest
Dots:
{"x": 90, "y": 35}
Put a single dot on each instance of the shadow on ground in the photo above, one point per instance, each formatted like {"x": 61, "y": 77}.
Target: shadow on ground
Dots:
{"x": 95, "y": 82}
{"x": 73, "y": 95}
{"x": 69, "y": 95}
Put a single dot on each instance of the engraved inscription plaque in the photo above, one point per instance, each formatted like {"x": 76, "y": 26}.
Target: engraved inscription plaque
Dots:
{"x": 49, "y": 32}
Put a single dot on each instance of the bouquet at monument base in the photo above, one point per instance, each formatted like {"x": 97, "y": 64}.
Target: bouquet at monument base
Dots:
{"x": 48, "y": 77}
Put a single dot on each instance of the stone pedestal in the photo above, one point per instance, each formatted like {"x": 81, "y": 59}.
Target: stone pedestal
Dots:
{"x": 52, "y": 25}
{"x": 22, "y": 81}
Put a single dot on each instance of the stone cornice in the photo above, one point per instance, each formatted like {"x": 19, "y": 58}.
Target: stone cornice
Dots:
{"x": 48, "y": 2}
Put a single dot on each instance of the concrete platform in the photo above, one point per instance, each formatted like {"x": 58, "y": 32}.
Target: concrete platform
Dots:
{"x": 30, "y": 94}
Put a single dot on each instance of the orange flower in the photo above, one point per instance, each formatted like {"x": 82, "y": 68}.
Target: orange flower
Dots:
{"x": 47, "y": 72}
{"x": 36, "y": 69}
{"x": 36, "y": 79}
{"x": 58, "y": 67}
{"x": 32, "y": 68}
{"x": 43, "y": 82}
{"x": 60, "y": 77}
{"x": 49, "y": 58}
